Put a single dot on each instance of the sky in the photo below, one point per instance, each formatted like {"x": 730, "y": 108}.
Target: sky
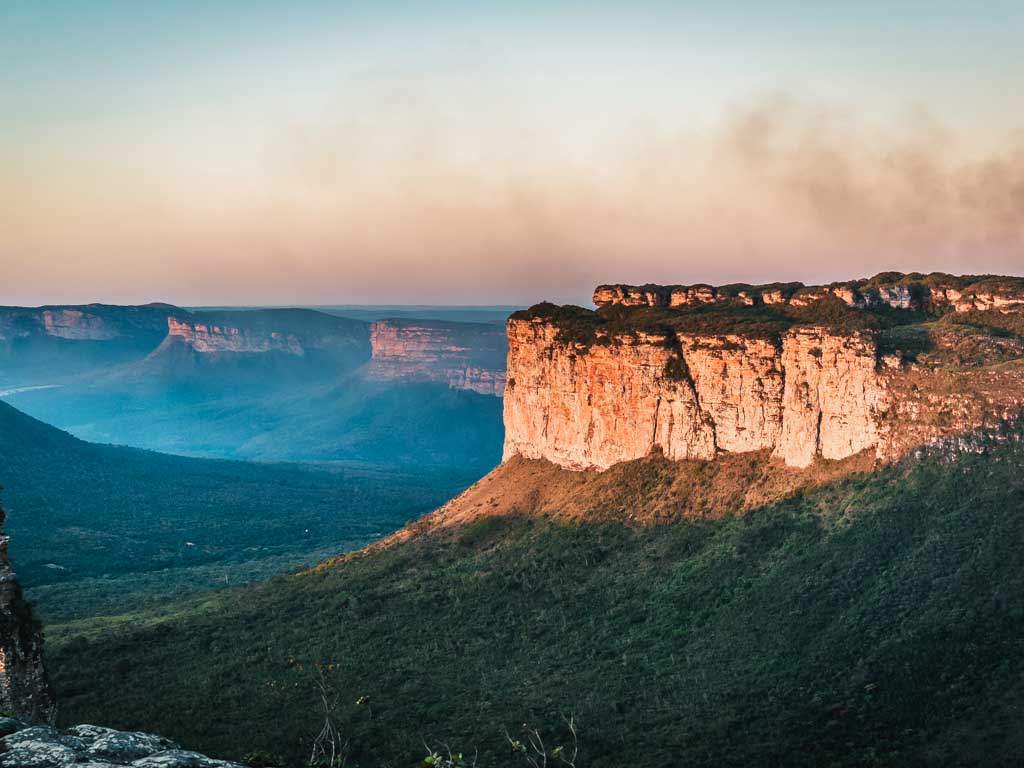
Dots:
{"x": 313, "y": 152}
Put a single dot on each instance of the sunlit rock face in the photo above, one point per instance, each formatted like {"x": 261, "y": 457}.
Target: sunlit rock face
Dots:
{"x": 937, "y": 291}
{"x": 832, "y": 396}
{"x": 811, "y": 392}
{"x": 24, "y": 687}
{"x": 210, "y": 338}
{"x": 468, "y": 356}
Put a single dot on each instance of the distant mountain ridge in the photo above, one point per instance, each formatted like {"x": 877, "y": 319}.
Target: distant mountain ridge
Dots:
{"x": 272, "y": 384}
{"x": 46, "y": 345}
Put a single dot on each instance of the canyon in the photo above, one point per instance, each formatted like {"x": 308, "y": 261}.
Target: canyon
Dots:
{"x": 45, "y": 345}
{"x": 806, "y": 373}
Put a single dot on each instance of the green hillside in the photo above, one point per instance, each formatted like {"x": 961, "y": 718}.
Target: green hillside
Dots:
{"x": 89, "y": 522}
{"x": 424, "y": 425}
{"x": 873, "y": 619}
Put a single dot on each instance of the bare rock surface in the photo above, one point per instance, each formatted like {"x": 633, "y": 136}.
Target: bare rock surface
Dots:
{"x": 91, "y": 746}
{"x": 586, "y": 396}
{"x": 468, "y": 356}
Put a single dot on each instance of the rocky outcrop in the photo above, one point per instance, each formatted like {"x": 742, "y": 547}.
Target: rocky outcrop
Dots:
{"x": 690, "y": 397}
{"x": 467, "y": 356}
{"x": 589, "y": 391}
{"x": 24, "y": 687}
{"x": 210, "y": 338}
{"x": 92, "y": 746}
{"x": 75, "y": 324}
{"x": 832, "y": 396}
{"x": 937, "y": 292}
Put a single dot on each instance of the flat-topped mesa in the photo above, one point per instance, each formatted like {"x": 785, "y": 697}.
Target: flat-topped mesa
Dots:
{"x": 468, "y": 356}
{"x": 85, "y": 322}
{"x": 206, "y": 337}
{"x": 72, "y": 323}
{"x": 800, "y": 373}
{"x": 936, "y": 292}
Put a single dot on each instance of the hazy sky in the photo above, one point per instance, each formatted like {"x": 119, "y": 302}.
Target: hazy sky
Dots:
{"x": 240, "y": 151}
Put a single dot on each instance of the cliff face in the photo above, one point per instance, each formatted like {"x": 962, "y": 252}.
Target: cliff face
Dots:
{"x": 814, "y": 393}
{"x": 209, "y": 337}
{"x": 24, "y": 687}
{"x": 802, "y": 391}
{"x": 936, "y": 291}
{"x": 467, "y": 356}
{"x": 63, "y": 323}
{"x": 90, "y": 322}
{"x": 336, "y": 342}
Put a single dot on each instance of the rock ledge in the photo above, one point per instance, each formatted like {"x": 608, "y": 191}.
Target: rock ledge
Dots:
{"x": 92, "y": 746}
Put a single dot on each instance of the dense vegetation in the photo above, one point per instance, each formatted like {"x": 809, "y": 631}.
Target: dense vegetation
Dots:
{"x": 97, "y": 519}
{"x": 876, "y": 619}
{"x": 582, "y": 326}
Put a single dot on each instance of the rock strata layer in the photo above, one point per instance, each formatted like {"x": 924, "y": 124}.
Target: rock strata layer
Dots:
{"x": 898, "y": 291}
{"x": 209, "y": 337}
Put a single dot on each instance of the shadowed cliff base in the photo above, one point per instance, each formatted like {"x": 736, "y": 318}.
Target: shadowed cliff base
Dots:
{"x": 642, "y": 492}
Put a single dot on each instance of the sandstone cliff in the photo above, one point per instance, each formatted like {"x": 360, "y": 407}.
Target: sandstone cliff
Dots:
{"x": 936, "y": 291}
{"x": 211, "y": 337}
{"x": 295, "y": 333}
{"x": 467, "y": 356}
{"x": 814, "y": 374}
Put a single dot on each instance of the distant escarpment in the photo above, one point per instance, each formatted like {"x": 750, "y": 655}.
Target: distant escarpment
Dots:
{"x": 467, "y": 356}
{"x": 880, "y": 365}
{"x": 211, "y": 337}
{"x": 255, "y": 349}
{"x": 291, "y": 331}
{"x": 87, "y": 322}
